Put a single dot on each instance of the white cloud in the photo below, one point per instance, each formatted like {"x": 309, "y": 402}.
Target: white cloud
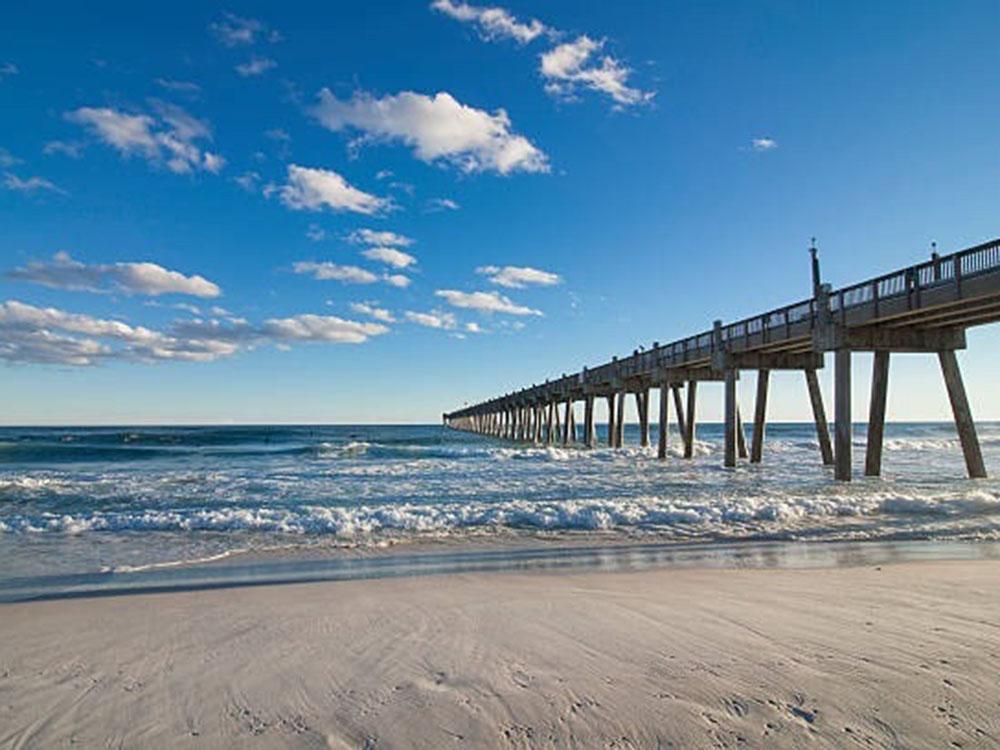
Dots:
{"x": 492, "y": 23}
{"x": 182, "y": 87}
{"x": 570, "y": 65}
{"x": 322, "y": 328}
{"x": 8, "y": 69}
{"x": 763, "y": 144}
{"x": 373, "y": 237}
{"x": 170, "y": 137}
{"x": 255, "y": 66}
{"x": 313, "y": 189}
{"x": 397, "y": 280}
{"x": 437, "y": 128}
{"x": 7, "y": 159}
{"x": 67, "y": 148}
{"x": 31, "y": 334}
{"x": 442, "y": 204}
{"x": 234, "y": 31}
{"x": 316, "y": 233}
{"x": 373, "y": 311}
{"x": 474, "y": 328}
{"x": 62, "y": 272}
{"x": 485, "y": 302}
{"x": 53, "y": 336}
{"x": 390, "y": 256}
{"x": 30, "y": 184}
{"x": 327, "y": 271}
{"x": 248, "y": 181}
{"x": 442, "y": 320}
{"x": 517, "y": 277}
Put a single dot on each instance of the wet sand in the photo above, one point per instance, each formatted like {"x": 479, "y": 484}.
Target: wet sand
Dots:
{"x": 894, "y": 655}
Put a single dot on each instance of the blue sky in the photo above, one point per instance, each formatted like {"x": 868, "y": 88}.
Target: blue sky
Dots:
{"x": 184, "y": 189}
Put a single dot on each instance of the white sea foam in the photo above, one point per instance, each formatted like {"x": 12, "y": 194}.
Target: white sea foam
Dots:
{"x": 719, "y": 515}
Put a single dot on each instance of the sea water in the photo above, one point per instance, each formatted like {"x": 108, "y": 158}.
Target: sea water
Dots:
{"x": 122, "y": 501}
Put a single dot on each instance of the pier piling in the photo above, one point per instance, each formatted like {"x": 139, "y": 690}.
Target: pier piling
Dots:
{"x": 876, "y": 414}
{"x": 759, "y": 416}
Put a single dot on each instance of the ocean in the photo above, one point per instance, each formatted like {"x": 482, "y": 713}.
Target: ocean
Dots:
{"x": 110, "y": 505}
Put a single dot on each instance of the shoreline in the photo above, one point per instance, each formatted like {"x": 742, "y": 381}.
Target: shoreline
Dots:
{"x": 898, "y": 654}
{"x": 487, "y": 555}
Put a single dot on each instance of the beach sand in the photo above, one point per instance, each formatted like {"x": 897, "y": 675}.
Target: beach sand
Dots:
{"x": 904, "y": 655}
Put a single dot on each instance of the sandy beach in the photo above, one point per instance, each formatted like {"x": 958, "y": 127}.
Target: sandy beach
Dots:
{"x": 902, "y": 655}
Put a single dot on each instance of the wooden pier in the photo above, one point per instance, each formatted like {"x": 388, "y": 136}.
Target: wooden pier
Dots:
{"x": 924, "y": 308}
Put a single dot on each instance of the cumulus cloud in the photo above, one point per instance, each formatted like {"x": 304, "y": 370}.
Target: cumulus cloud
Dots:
{"x": 7, "y": 70}
{"x": 565, "y": 67}
{"x": 442, "y": 204}
{"x": 7, "y": 159}
{"x": 568, "y": 66}
{"x": 255, "y": 66}
{"x": 30, "y": 334}
{"x": 52, "y": 336}
{"x": 313, "y": 189}
{"x": 763, "y": 144}
{"x": 63, "y": 272}
{"x": 169, "y": 136}
{"x": 234, "y": 31}
{"x": 67, "y": 148}
{"x": 30, "y": 184}
{"x": 397, "y": 280}
{"x": 492, "y": 23}
{"x": 438, "y": 128}
{"x": 372, "y": 310}
{"x": 390, "y": 256}
{"x": 327, "y": 271}
{"x": 373, "y": 237}
{"x": 315, "y": 233}
{"x": 435, "y": 319}
{"x": 517, "y": 277}
{"x": 248, "y": 181}
{"x": 321, "y": 328}
{"x": 489, "y": 302}
{"x": 182, "y": 87}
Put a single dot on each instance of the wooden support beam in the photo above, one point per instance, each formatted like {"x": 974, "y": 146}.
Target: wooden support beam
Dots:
{"x": 679, "y": 410}
{"x": 620, "y": 420}
{"x": 567, "y": 422}
{"x": 741, "y": 436}
{"x": 589, "y": 431}
{"x": 571, "y": 422}
{"x": 642, "y": 404}
{"x": 842, "y": 414}
{"x": 776, "y": 360}
{"x": 662, "y": 425}
{"x": 879, "y": 338}
{"x": 876, "y": 414}
{"x": 729, "y": 437}
{"x": 549, "y": 436}
{"x": 759, "y": 416}
{"x": 819, "y": 416}
{"x": 689, "y": 418}
{"x": 611, "y": 420}
{"x": 963, "y": 415}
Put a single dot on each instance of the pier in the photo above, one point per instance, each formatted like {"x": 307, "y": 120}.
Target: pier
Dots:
{"x": 925, "y": 308}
